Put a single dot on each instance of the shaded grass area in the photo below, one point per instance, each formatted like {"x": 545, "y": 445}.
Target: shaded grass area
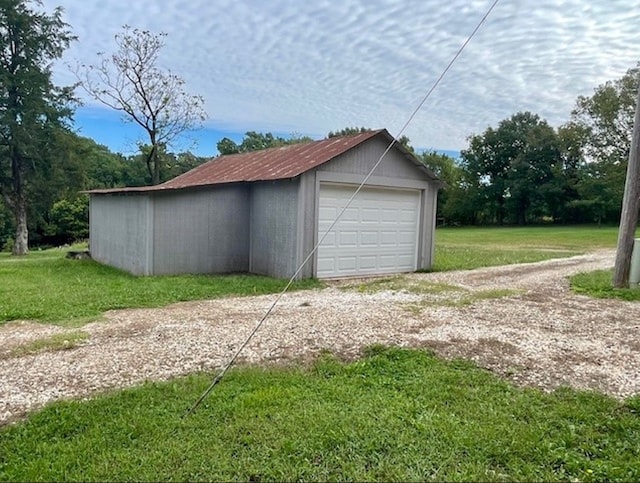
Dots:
{"x": 395, "y": 415}
{"x": 47, "y": 287}
{"x": 599, "y": 284}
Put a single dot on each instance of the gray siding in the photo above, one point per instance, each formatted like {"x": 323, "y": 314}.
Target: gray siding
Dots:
{"x": 362, "y": 158}
{"x": 266, "y": 228}
{"x": 307, "y": 225}
{"x": 274, "y": 214}
{"x": 119, "y": 231}
{"x": 428, "y": 227}
{"x": 202, "y": 231}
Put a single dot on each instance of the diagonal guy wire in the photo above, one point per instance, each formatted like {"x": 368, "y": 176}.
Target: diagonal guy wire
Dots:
{"x": 228, "y": 365}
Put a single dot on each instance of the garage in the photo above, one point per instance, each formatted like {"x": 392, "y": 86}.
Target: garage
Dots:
{"x": 377, "y": 234}
{"x": 264, "y": 212}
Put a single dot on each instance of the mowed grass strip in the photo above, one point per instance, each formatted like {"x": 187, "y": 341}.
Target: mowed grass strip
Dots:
{"x": 474, "y": 247}
{"x": 599, "y": 284}
{"x": 51, "y": 288}
{"x": 395, "y": 415}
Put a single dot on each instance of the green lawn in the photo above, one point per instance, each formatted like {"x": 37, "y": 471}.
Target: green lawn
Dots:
{"x": 395, "y": 415}
{"x": 471, "y": 247}
{"x": 579, "y": 237}
{"x": 48, "y": 287}
{"x": 599, "y": 284}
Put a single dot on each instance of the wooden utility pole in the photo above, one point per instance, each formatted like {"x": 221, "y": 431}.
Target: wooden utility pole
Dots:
{"x": 630, "y": 208}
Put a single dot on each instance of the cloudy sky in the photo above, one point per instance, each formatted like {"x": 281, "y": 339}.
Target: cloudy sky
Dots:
{"x": 312, "y": 66}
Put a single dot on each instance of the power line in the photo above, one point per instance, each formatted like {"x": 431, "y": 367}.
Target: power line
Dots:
{"x": 424, "y": 99}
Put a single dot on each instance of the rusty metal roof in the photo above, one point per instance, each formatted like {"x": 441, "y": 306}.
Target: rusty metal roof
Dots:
{"x": 272, "y": 164}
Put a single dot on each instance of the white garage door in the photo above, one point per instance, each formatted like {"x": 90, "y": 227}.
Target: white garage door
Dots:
{"x": 377, "y": 234}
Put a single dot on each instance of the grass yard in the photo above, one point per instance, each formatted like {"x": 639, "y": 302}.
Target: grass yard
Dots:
{"x": 395, "y": 415}
{"x": 471, "y": 247}
{"x": 599, "y": 284}
{"x": 48, "y": 287}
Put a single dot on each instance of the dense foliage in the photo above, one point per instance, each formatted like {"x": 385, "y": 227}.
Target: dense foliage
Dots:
{"x": 524, "y": 171}
{"x": 59, "y": 213}
{"x": 33, "y": 110}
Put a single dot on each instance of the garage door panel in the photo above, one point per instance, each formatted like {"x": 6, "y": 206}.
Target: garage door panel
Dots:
{"x": 406, "y": 238}
{"x": 348, "y": 239}
{"x": 407, "y": 216}
{"x": 370, "y": 215}
{"x": 347, "y": 263}
{"x": 368, "y": 262}
{"x": 368, "y": 238}
{"x": 378, "y": 233}
{"x": 327, "y": 214}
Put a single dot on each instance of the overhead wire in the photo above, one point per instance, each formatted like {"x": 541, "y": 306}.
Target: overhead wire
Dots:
{"x": 275, "y": 302}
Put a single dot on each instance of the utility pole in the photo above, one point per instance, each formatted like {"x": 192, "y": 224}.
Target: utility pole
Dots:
{"x": 630, "y": 208}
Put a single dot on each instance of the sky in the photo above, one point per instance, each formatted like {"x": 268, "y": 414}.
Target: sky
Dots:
{"x": 309, "y": 67}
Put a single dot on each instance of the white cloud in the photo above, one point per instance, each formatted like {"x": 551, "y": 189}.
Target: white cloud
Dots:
{"x": 312, "y": 67}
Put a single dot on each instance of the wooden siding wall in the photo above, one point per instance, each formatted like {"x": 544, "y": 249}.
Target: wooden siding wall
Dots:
{"x": 119, "y": 231}
{"x": 274, "y": 226}
{"x": 201, "y": 231}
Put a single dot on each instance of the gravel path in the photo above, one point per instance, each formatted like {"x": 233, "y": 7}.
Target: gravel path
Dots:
{"x": 536, "y": 333}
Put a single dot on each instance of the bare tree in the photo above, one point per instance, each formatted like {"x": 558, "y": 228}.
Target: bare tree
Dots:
{"x": 130, "y": 81}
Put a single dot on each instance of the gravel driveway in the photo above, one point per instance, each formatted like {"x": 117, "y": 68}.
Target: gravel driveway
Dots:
{"x": 520, "y": 321}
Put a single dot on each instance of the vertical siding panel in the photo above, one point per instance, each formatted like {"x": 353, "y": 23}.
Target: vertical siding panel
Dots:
{"x": 118, "y": 231}
{"x": 307, "y": 222}
{"x": 202, "y": 231}
{"x": 274, "y": 228}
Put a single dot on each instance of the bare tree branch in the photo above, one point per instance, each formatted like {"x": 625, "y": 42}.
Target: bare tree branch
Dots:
{"x": 130, "y": 82}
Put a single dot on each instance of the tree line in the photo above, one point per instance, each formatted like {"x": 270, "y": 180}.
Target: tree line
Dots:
{"x": 524, "y": 171}
{"x": 40, "y": 172}
{"x": 521, "y": 171}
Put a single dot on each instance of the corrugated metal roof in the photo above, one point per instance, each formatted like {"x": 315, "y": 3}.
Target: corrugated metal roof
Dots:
{"x": 267, "y": 165}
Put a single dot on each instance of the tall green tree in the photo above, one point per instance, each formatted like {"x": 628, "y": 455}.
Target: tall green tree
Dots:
{"x": 511, "y": 169}
{"x": 130, "y": 81}
{"x": 605, "y": 122}
{"x": 607, "y": 118}
{"x": 32, "y": 108}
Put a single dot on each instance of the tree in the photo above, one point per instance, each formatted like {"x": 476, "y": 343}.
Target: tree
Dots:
{"x": 32, "y": 108}
{"x": 445, "y": 168}
{"x": 130, "y": 81}
{"x": 511, "y": 169}
{"x": 607, "y": 118}
{"x": 255, "y": 141}
{"x": 348, "y": 131}
{"x": 605, "y": 121}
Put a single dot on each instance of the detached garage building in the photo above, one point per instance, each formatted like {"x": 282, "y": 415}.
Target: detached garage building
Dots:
{"x": 263, "y": 212}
